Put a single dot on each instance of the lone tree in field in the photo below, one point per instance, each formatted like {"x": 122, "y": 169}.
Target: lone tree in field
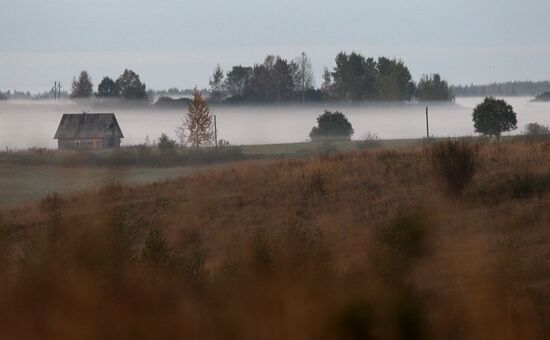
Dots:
{"x": 199, "y": 122}
{"x": 83, "y": 87}
{"x": 493, "y": 117}
{"x": 332, "y": 125}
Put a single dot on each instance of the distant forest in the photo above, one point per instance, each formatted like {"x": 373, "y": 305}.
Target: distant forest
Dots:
{"x": 512, "y": 88}
{"x": 354, "y": 78}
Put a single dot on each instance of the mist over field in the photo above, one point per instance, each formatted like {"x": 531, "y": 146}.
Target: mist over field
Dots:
{"x": 33, "y": 124}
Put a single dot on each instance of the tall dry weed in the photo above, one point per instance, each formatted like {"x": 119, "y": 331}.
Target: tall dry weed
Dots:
{"x": 454, "y": 163}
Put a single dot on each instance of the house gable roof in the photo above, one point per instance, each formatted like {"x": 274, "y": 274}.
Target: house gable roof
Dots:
{"x": 87, "y": 126}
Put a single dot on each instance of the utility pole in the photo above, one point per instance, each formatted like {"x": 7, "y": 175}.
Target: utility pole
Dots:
{"x": 56, "y": 90}
{"x": 427, "y": 125}
{"x": 215, "y": 131}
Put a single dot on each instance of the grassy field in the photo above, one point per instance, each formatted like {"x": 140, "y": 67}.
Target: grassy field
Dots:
{"x": 307, "y": 148}
{"x": 412, "y": 243}
{"x": 29, "y": 176}
{"x": 22, "y": 183}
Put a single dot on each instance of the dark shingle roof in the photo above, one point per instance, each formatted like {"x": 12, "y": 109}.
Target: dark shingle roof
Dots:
{"x": 88, "y": 125}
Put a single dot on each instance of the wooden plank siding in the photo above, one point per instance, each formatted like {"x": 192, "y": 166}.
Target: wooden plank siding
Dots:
{"x": 88, "y": 131}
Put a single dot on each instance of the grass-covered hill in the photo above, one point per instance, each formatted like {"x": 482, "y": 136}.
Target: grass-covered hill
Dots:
{"x": 445, "y": 242}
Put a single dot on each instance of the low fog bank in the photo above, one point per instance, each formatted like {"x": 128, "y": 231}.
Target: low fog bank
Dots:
{"x": 30, "y": 124}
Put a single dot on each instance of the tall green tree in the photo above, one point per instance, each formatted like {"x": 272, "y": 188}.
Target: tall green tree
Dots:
{"x": 238, "y": 80}
{"x": 493, "y": 117}
{"x": 261, "y": 83}
{"x": 433, "y": 88}
{"x": 302, "y": 75}
{"x": 82, "y": 87}
{"x": 394, "y": 81}
{"x": 271, "y": 81}
{"x": 108, "y": 88}
{"x": 130, "y": 86}
{"x": 266, "y": 82}
{"x": 216, "y": 84}
{"x": 354, "y": 77}
{"x": 281, "y": 76}
{"x": 327, "y": 88}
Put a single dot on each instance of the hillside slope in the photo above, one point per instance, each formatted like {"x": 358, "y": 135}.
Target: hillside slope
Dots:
{"x": 362, "y": 245}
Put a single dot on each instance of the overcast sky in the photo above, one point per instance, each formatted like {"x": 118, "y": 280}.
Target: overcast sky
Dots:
{"x": 178, "y": 42}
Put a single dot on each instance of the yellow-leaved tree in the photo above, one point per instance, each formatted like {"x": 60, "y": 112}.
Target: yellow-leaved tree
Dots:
{"x": 199, "y": 122}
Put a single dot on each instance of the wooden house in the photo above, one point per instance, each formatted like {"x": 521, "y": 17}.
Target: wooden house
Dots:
{"x": 88, "y": 131}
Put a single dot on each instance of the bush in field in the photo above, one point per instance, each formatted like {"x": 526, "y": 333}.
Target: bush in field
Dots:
{"x": 407, "y": 234}
{"x": 536, "y": 130}
{"x": 166, "y": 145}
{"x": 404, "y": 241}
{"x": 370, "y": 140}
{"x": 191, "y": 263}
{"x": 332, "y": 125}
{"x": 528, "y": 185}
{"x": 168, "y": 151}
{"x": 156, "y": 248}
{"x": 454, "y": 163}
{"x": 493, "y": 117}
{"x": 143, "y": 152}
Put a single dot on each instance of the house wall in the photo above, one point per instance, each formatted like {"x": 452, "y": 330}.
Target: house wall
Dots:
{"x": 111, "y": 142}
{"x": 92, "y": 144}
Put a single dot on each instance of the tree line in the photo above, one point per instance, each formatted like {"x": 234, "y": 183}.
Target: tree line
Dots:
{"x": 354, "y": 78}
{"x": 512, "y": 88}
{"x": 15, "y": 95}
{"x": 127, "y": 86}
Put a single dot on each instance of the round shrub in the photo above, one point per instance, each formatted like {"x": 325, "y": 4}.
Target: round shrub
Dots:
{"x": 493, "y": 117}
{"x": 332, "y": 125}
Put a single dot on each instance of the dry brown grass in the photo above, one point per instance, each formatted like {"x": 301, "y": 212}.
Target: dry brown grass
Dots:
{"x": 346, "y": 246}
